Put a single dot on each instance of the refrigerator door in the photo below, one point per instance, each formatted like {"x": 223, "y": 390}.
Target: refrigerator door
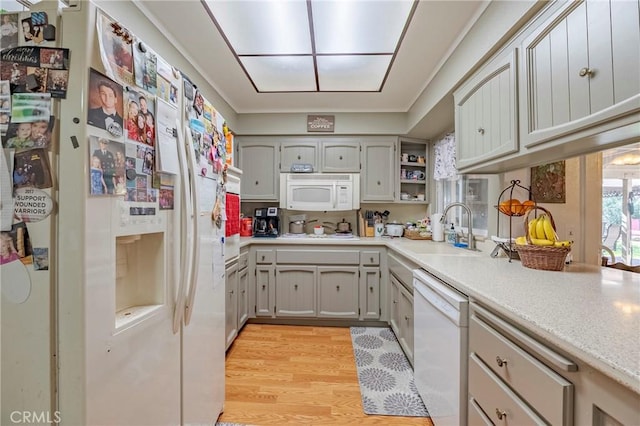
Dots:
{"x": 203, "y": 348}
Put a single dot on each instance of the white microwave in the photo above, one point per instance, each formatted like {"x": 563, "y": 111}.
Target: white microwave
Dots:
{"x": 320, "y": 191}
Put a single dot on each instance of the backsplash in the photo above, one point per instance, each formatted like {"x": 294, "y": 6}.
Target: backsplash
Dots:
{"x": 401, "y": 213}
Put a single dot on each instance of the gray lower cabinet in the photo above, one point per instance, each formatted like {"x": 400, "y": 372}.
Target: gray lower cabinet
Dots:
{"x": 338, "y": 291}
{"x": 305, "y": 282}
{"x": 370, "y": 292}
{"x": 401, "y": 301}
{"x": 243, "y": 296}
{"x": 231, "y": 303}
{"x": 401, "y": 316}
{"x": 265, "y": 291}
{"x": 507, "y": 378}
{"x": 296, "y": 291}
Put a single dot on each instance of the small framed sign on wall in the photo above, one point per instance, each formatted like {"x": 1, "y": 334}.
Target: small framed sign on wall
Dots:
{"x": 321, "y": 123}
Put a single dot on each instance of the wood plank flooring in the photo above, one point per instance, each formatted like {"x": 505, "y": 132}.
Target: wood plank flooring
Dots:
{"x": 296, "y": 375}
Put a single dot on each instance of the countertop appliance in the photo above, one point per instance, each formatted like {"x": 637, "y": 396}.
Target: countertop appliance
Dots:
{"x": 320, "y": 191}
{"x": 441, "y": 316}
{"x": 266, "y": 222}
{"x": 124, "y": 322}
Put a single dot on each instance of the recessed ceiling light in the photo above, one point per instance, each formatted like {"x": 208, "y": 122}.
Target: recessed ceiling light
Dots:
{"x": 330, "y": 45}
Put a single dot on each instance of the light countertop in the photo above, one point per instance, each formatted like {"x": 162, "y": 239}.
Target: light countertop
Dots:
{"x": 591, "y": 313}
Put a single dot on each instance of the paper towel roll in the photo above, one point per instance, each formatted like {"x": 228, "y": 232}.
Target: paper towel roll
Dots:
{"x": 437, "y": 230}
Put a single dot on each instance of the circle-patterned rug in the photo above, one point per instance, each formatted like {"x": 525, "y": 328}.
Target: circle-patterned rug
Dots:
{"x": 384, "y": 374}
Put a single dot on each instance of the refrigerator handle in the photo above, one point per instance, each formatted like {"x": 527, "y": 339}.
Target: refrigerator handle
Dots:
{"x": 195, "y": 241}
{"x": 186, "y": 214}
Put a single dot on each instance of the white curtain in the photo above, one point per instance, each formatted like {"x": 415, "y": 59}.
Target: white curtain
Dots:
{"x": 445, "y": 158}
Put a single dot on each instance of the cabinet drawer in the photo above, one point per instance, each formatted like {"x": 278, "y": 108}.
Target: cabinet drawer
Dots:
{"x": 265, "y": 256}
{"x": 318, "y": 257}
{"x": 549, "y": 393}
{"x": 500, "y": 403}
{"x": 477, "y": 417}
{"x": 403, "y": 270}
{"x": 243, "y": 260}
{"x": 369, "y": 258}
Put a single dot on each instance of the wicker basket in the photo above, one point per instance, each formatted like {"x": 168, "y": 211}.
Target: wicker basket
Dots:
{"x": 541, "y": 257}
{"x": 414, "y": 234}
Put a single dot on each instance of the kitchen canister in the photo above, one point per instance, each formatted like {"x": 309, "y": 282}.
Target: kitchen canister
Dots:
{"x": 437, "y": 230}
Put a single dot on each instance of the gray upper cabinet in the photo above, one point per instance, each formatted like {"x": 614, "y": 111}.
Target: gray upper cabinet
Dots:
{"x": 485, "y": 113}
{"x": 378, "y": 177}
{"x": 258, "y": 159}
{"x": 296, "y": 151}
{"x": 580, "y": 69}
{"x": 340, "y": 155}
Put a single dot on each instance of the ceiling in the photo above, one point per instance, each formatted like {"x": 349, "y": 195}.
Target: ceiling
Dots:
{"x": 435, "y": 30}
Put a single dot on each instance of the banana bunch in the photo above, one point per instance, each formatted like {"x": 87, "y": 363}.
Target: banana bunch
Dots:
{"x": 541, "y": 233}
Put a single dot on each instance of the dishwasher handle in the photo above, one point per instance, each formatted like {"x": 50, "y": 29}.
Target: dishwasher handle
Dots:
{"x": 441, "y": 305}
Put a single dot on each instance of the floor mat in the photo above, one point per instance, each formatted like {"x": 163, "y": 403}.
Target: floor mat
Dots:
{"x": 384, "y": 374}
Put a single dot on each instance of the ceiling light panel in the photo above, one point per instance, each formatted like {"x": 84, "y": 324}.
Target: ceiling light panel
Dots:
{"x": 264, "y": 27}
{"x": 357, "y": 26}
{"x": 281, "y": 73}
{"x": 353, "y": 73}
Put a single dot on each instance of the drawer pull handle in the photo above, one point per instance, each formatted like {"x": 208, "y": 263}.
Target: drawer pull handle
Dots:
{"x": 263, "y": 258}
{"x": 338, "y": 287}
{"x": 257, "y": 183}
{"x": 371, "y": 259}
{"x": 586, "y": 72}
{"x": 406, "y": 318}
{"x": 501, "y": 361}
{"x": 341, "y": 157}
{"x": 264, "y": 286}
{"x": 295, "y": 286}
{"x": 371, "y": 288}
{"x": 298, "y": 157}
{"x": 481, "y": 131}
{"x": 500, "y": 413}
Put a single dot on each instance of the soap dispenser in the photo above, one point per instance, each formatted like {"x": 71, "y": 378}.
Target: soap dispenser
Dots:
{"x": 451, "y": 235}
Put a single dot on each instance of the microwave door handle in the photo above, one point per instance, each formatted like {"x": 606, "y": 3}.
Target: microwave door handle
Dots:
{"x": 335, "y": 194}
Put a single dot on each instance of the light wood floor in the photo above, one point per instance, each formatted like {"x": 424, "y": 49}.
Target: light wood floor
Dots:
{"x": 296, "y": 375}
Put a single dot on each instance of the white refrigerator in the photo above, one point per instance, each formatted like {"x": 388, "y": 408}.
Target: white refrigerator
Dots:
{"x": 135, "y": 307}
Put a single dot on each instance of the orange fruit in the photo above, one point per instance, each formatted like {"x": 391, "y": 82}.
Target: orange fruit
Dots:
{"x": 511, "y": 207}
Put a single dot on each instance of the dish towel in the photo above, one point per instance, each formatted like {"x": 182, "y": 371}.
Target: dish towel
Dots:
{"x": 445, "y": 158}
{"x": 232, "y": 225}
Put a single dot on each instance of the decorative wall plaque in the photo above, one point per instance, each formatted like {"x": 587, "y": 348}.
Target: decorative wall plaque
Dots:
{"x": 321, "y": 123}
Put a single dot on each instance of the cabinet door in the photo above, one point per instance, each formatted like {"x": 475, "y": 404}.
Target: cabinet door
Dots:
{"x": 369, "y": 293}
{"x": 340, "y": 155}
{"x": 406, "y": 322}
{"x": 394, "y": 308}
{"x": 378, "y": 177}
{"x": 295, "y": 291}
{"x": 258, "y": 160}
{"x": 338, "y": 291}
{"x": 243, "y": 297}
{"x": 265, "y": 291}
{"x": 485, "y": 114}
{"x": 231, "y": 303}
{"x": 575, "y": 69}
{"x": 293, "y": 151}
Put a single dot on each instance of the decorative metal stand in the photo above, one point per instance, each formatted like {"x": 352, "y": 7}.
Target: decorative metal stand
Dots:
{"x": 510, "y": 210}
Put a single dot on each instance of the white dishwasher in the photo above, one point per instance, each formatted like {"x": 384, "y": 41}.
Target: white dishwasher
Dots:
{"x": 441, "y": 316}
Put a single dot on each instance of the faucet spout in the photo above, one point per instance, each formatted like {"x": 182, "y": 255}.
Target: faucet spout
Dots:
{"x": 472, "y": 241}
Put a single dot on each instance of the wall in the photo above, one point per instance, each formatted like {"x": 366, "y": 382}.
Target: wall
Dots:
{"x": 578, "y": 215}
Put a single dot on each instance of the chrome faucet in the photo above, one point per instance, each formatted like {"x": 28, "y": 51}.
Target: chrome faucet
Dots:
{"x": 472, "y": 242}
